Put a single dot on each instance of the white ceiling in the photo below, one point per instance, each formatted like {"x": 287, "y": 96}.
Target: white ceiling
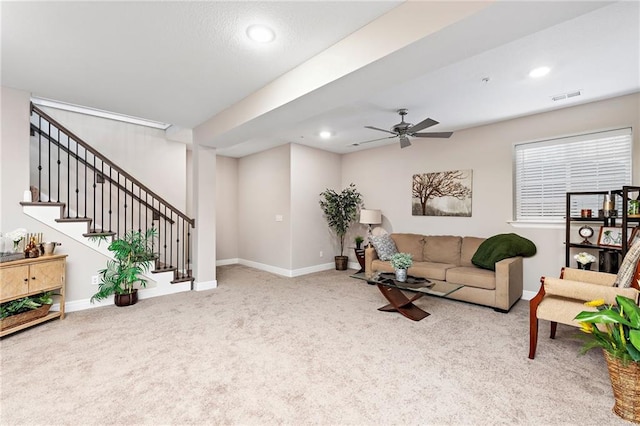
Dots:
{"x": 351, "y": 63}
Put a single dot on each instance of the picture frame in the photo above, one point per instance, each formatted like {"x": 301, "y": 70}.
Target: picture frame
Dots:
{"x": 611, "y": 236}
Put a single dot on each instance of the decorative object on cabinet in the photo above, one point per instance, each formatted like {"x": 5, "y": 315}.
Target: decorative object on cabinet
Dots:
{"x": 28, "y": 278}
{"x": 585, "y": 232}
{"x": 133, "y": 256}
{"x": 358, "y": 240}
{"x": 370, "y": 217}
{"x": 341, "y": 211}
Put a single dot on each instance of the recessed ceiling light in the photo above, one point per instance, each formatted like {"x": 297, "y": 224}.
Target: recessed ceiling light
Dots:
{"x": 539, "y": 72}
{"x": 261, "y": 33}
{"x": 325, "y": 134}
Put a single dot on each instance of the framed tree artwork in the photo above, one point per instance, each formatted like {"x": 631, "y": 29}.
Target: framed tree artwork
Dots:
{"x": 442, "y": 193}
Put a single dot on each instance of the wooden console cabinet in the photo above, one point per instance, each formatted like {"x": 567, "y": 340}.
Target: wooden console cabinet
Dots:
{"x": 26, "y": 277}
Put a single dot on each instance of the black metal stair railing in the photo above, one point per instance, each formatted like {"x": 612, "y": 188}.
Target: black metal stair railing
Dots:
{"x": 94, "y": 190}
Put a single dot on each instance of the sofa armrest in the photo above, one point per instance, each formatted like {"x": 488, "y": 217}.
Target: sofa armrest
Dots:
{"x": 508, "y": 282}
{"x": 579, "y": 290}
{"x": 370, "y": 254}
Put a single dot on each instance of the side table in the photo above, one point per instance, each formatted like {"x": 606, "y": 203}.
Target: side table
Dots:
{"x": 360, "y": 256}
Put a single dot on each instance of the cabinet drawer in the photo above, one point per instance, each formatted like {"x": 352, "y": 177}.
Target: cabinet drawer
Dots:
{"x": 45, "y": 275}
{"x": 14, "y": 281}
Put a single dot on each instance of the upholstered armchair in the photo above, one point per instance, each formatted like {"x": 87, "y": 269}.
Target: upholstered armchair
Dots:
{"x": 559, "y": 300}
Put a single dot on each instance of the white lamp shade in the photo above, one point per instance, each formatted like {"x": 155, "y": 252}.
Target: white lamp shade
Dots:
{"x": 370, "y": 217}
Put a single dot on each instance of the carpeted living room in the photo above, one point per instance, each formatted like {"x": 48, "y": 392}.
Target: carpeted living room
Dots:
{"x": 175, "y": 247}
{"x": 266, "y": 349}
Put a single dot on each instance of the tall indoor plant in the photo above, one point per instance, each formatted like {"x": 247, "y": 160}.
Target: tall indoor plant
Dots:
{"x": 341, "y": 211}
{"x": 133, "y": 255}
{"x": 619, "y": 338}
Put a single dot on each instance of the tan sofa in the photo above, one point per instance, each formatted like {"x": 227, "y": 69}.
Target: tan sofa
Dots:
{"x": 448, "y": 258}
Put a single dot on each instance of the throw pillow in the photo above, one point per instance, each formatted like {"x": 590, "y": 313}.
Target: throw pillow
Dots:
{"x": 384, "y": 245}
{"x": 628, "y": 268}
{"x": 502, "y": 246}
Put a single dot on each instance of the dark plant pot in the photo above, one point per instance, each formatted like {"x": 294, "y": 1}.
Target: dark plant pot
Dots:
{"x": 359, "y": 245}
{"x": 126, "y": 299}
{"x": 585, "y": 266}
{"x": 341, "y": 263}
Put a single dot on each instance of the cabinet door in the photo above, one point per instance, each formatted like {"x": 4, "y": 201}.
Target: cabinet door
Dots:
{"x": 45, "y": 275}
{"x": 14, "y": 281}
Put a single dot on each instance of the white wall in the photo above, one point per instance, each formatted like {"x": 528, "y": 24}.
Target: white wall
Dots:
{"x": 264, "y": 183}
{"x": 226, "y": 209}
{"x": 312, "y": 171}
{"x": 487, "y": 150}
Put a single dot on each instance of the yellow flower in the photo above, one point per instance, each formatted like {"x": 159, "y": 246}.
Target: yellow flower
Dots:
{"x": 595, "y": 303}
{"x": 587, "y": 327}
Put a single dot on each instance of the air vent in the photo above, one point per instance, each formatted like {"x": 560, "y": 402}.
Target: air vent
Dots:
{"x": 566, "y": 95}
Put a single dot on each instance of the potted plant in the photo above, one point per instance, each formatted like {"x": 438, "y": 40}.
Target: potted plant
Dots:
{"x": 358, "y": 240}
{"x": 341, "y": 211}
{"x": 133, "y": 255}
{"x": 619, "y": 338}
{"x": 25, "y": 309}
{"x": 401, "y": 262}
{"x": 584, "y": 260}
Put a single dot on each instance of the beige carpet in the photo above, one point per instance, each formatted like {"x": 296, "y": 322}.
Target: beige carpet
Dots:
{"x": 262, "y": 349}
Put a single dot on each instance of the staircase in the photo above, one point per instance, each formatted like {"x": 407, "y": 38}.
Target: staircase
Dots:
{"x": 81, "y": 193}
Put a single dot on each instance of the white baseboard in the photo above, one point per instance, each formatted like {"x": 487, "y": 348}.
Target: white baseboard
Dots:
{"x": 312, "y": 269}
{"x": 223, "y": 262}
{"x": 528, "y": 295}
{"x": 264, "y": 267}
{"x": 205, "y": 285}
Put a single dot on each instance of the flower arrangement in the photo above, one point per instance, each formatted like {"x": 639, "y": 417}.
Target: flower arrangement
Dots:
{"x": 583, "y": 258}
{"x": 16, "y": 236}
{"x": 401, "y": 261}
{"x": 621, "y": 324}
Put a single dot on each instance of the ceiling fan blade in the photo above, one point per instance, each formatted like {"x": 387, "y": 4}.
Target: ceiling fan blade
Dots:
{"x": 433, "y": 134}
{"x": 422, "y": 125}
{"x": 404, "y": 141}
{"x": 382, "y": 130}
{"x": 372, "y": 140}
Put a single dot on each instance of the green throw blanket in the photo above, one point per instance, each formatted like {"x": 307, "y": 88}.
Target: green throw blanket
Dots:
{"x": 502, "y": 246}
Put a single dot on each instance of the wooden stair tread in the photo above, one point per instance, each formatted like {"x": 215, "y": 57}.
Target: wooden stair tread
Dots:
{"x": 182, "y": 280}
{"x": 99, "y": 234}
{"x": 41, "y": 203}
{"x": 74, "y": 219}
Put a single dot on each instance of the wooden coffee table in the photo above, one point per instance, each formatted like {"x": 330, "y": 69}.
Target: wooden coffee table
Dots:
{"x": 392, "y": 290}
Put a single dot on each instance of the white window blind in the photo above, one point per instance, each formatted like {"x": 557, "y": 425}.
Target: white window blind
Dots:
{"x": 546, "y": 170}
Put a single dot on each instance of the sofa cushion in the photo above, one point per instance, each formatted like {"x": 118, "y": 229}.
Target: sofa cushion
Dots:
{"x": 442, "y": 249}
{"x": 471, "y": 276}
{"x": 384, "y": 245}
{"x": 502, "y": 246}
{"x": 381, "y": 266}
{"x": 469, "y": 247}
{"x": 409, "y": 243}
{"x": 430, "y": 270}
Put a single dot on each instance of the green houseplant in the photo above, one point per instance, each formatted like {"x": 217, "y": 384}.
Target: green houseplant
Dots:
{"x": 341, "y": 211}
{"x": 401, "y": 262}
{"x": 359, "y": 239}
{"x": 133, "y": 255}
{"x": 619, "y": 338}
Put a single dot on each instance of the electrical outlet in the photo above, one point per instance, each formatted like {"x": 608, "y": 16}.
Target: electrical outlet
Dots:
{"x": 321, "y": 254}
{"x": 95, "y": 280}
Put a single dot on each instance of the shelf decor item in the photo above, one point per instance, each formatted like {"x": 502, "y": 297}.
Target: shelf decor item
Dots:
{"x": 584, "y": 260}
{"x": 585, "y": 232}
{"x": 619, "y": 338}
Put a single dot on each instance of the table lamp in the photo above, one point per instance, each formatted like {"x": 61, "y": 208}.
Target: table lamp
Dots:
{"x": 370, "y": 217}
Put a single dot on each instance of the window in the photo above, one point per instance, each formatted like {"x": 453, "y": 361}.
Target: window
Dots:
{"x": 546, "y": 170}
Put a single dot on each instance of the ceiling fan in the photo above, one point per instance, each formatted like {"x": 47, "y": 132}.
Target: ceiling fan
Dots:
{"x": 403, "y": 130}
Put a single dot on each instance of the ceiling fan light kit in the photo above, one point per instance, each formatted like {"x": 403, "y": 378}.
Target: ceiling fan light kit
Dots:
{"x": 403, "y": 130}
